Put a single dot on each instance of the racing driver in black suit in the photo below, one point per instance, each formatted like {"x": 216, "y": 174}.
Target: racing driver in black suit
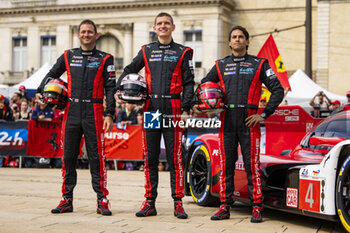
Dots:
{"x": 241, "y": 76}
{"x": 90, "y": 73}
{"x": 168, "y": 73}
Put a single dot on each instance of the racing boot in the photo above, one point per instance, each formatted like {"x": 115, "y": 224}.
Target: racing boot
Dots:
{"x": 256, "y": 218}
{"x": 66, "y": 205}
{"x": 103, "y": 207}
{"x": 179, "y": 211}
{"x": 223, "y": 213}
{"x": 148, "y": 208}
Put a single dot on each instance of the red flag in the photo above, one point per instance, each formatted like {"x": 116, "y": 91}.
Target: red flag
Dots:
{"x": 44, "y": 138}
{"x": 270, "y": 51}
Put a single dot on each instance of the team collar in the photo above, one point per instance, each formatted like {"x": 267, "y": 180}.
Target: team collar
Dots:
{"x": 165, "y": 46}
{"x": 239, "y": 59}
{"x": 87, "y": 52}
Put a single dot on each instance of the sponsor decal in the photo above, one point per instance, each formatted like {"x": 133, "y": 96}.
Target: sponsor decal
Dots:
{"x": 93, "y": 64}
{"x": 155, "y": 59}
{"x": 316, "y": 173}
{"x": 77, "y": 61}
{"x": 292, "y": 197}
{"x": 240, "y": 166}
{"x": 157, "y": 51}
{"x": 117, "y": 135}
{"x": 304, "y": 171}
{"x": 246, "y": 70}
{"x": 215, "y": 152}
{"x": 230, "y": 73}
{"x": 77, "y": 57}
{"x": 76, "y": 64}
{"x": 169, "y": 52}
{"x": 170, "y": 58}
{"x": 309, "y": 195}
{"x": 269, "y": 72}
{"x": 292, "y": 118}
{"x": 287, "y": 112}
{"x": 110, "y": 68}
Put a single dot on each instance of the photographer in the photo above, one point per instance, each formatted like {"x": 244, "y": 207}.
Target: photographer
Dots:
{"x": 319, "y": 102}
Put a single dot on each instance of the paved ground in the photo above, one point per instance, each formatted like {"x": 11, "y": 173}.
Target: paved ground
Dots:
{"x": 27, "y": 195}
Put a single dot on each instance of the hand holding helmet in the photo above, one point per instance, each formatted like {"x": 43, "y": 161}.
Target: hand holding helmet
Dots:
{"x": 133, "y": 89}
{"x": 55, "y": 93}
{"x": 210, "y": 98}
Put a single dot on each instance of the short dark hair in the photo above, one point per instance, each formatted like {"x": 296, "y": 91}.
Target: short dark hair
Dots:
{"x": 88, "y": 21}
{"x": 243, "y": 29}
{"x": 245, "y": 32}
{"x": 162, "y": 14}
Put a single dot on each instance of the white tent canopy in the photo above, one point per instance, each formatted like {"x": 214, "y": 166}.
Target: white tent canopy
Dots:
{"x": 33, "y": 81}
{"x": 304, "y": 89}
{"x": 4, "y": 90}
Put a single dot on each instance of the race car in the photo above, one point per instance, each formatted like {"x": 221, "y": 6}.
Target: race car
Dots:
{"x": 305, "y": 169}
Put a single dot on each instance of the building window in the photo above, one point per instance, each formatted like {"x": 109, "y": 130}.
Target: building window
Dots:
{"x": 110, "y": 44}
{"x": 48, "y": 50}
{"x": 19, "y": 51}
{"x": 193, "y": 39}
{"x": 153, "y": 37}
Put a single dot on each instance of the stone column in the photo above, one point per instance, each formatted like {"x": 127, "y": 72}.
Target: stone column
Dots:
{"x": 63, "y": 39}
{"x": 33, "y": 48}
{"x": 322, "y": 63}
{"x": 128, "y": 51}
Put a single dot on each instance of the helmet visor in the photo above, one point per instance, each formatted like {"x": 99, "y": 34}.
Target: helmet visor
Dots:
{"x": 210, "y": 94}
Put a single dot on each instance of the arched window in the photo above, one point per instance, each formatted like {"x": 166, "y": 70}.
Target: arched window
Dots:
{"x": 110, "y": 44}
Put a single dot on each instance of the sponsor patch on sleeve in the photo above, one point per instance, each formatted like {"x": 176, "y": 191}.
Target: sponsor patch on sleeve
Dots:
{"x": 269, "y": 72}
{"x": 110, "y": 68}
{"x": 190, "y": 64}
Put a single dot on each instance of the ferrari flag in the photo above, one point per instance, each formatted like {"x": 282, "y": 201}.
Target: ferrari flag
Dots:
{"x": 270, "y": 51}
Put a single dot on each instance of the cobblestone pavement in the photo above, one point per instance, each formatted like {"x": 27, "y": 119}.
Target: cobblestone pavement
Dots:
{"x": 28, "y": 195}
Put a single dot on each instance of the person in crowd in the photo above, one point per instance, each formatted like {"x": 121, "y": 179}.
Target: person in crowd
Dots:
{"x": 127, "y": 116}
{"x": 334, "y": 106}
{"x": 139, "y": 114}
{"x": 5, "y": 110}
{"x": 22, "y": 90}
{"x": 42, "y": 112}
{"x": 169, "y": 72}
{"x": 16, "y": 98}
{"x": 319, "y": 102}
{"x": 90, "y": 74}
{"x": 262, "y": 102}
{"x": 15, "y": 110}
{"x": 241, "y": 122}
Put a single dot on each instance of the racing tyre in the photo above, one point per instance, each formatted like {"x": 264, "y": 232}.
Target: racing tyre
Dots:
{"x": 200, "y": 177}
{"x": 343, "y": 194}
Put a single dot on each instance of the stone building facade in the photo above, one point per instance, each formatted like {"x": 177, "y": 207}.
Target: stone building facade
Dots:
{"x": 36, "y": 31}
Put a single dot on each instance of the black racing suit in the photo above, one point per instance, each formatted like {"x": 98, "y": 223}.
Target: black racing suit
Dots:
{"x": 241, "y": 79}
{"x": 89, "y": 74}
{"x": 168, "y": 72}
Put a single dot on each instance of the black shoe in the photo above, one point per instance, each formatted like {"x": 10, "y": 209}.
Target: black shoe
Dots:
{"x": 103, "y": 207}
{"x": 148, "y": 208}
{"x": 66, "y": 205}
{"x": 179, "y": 211}
{"x": 223, "y": 213}
{"x": 256, "y": 218}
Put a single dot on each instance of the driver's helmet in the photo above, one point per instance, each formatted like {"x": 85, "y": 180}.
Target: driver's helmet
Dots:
{"x": 210, "y": 97}
{"x": 133, "y": 89}
{"x": 55, "y": 93}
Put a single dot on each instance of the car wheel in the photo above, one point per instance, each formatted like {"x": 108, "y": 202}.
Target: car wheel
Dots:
{"x": 200, "y": 177}
{"x": 343, "y": 194}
